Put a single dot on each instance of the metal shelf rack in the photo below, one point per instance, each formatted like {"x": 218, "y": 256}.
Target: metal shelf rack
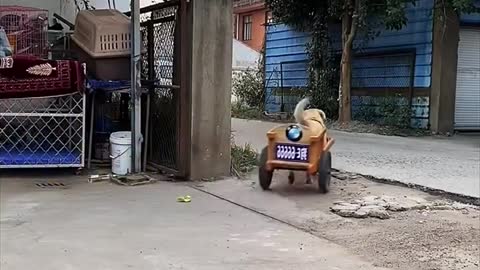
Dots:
{"x": 43, "y": 132}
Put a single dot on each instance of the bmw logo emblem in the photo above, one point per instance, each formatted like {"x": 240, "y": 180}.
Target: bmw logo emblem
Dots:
{"x": 294, "y": 133}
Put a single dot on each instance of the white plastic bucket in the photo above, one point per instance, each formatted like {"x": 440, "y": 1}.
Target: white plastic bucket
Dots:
{"x": 121, "y": 152}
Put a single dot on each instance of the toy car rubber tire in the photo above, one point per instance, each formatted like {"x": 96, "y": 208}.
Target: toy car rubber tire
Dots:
{"x": 324, "y": 172}
{"x": 264, "y": 176}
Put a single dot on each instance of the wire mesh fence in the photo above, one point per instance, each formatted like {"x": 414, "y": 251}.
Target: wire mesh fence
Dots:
{"x": 285, "y": 85}
{"x": 158, "y": 30}
{"x": 383, "y": 90}
{"x": 42, "y": 132}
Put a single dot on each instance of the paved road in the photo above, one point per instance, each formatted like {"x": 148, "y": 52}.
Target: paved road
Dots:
{"x": 449, "y": 164}
{"x": 103, "y": 226}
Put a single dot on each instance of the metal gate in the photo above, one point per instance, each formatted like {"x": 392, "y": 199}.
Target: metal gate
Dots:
{"x": 467, "y": 99}
{"x": 166, "y": 132}
{"x": 387, "y": 80}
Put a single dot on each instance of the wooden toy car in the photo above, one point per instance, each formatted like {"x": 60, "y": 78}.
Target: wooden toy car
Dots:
{"x": 294, "y": 147}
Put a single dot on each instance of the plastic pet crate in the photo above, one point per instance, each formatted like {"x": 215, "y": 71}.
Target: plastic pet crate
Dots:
{"x": 102, "y": 40}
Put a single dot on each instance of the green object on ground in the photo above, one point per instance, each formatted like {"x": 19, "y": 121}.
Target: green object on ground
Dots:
{"x": 184, "y": 199}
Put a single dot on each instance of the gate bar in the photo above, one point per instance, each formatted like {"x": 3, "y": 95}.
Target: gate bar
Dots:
{"x": 136, "y": 88}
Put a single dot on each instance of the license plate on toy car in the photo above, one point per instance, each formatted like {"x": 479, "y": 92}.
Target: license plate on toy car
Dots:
{"x": 291, "y": 152}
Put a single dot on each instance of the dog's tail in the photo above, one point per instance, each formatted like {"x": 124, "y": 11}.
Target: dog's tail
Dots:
{"x": 322, "y": 114}
{"x": 298, "y": 114}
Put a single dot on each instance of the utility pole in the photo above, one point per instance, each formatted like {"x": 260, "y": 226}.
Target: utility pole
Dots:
{"x": 136, "y": 87}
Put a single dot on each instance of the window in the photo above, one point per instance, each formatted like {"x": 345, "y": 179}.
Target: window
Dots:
{"x": 247, "y": 27}
{"x": 235, "y": 18}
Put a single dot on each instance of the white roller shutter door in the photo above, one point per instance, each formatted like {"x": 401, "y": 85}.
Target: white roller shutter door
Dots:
{"x": 467, "y": 101}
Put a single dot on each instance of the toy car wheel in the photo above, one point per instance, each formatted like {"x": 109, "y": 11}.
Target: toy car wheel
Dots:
{"x": 264, "y": 176}
{"x": 324, "y": 172}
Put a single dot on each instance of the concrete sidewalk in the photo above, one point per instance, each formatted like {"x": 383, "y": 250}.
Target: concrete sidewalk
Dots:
{"x": 104, "y": 226}
{"x": 448, "y": 164}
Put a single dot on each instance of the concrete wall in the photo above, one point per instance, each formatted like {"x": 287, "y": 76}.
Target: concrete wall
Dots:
{"x": 444, "y": 72}
{"x": 243, "y": 57}
{"x": 211, "y": 88}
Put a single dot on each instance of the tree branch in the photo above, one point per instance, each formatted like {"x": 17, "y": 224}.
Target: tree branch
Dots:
{"x": 354, "y": 25}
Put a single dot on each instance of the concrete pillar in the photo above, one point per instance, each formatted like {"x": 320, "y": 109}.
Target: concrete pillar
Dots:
{"x": 444, "y": 71}
{"x": 211, "y": 75}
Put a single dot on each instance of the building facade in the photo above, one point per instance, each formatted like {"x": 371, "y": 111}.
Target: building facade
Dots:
{"x": 432, "y": 64}
{"x": 249, "y": 20}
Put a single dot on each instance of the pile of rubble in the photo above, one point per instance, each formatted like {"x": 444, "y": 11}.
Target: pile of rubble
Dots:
{"x": 381, "y": 206}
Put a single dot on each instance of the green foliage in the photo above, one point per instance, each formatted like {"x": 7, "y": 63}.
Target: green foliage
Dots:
{"x": 459, "y": 6}
{"x": 247, "y": 86}
{"x": 243, "y": 159}
{"x": 322, "y": 68}
{"x": 392, "y": 110}
{"x": 242, "y": 111}
{"x": 366, "y": 113}
{"x": 395, "y": 113}
{"x": 299, "y": 14}
{"x": 323, "y": 90}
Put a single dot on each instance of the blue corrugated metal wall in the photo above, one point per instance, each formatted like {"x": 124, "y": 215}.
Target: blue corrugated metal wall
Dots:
{"x": 393, "y": 71}
{"x": 284, "y": 45}
{"x": 416, "y": 35}
{"x": 470, "y": 19}
{"x": 285, "y": 50}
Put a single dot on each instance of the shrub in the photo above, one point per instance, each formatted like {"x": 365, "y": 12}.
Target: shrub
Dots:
{"x": 247, "y": 87}
{"x": 243, "y": 159}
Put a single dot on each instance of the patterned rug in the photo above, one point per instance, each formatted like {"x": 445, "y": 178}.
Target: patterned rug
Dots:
{"x": 22, "y": 77}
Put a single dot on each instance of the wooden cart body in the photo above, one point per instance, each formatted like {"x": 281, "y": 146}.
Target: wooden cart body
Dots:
{"x": 317, "y": 144}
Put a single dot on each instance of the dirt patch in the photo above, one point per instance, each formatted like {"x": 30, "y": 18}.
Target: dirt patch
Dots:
{"x": 410, "y": 240}
{"x": 443, "y": 238}
{"x": 434, "y": 234}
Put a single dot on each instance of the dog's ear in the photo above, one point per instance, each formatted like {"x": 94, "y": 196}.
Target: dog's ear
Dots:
{"x": 322, "y": 114}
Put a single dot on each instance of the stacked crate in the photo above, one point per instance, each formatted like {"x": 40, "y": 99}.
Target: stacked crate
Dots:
{"x": 102, "y": 40}
{"x": 26, "y": 29}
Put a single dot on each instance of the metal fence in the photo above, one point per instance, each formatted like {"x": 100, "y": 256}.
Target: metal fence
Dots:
{"x": 385, "y": 82}
{"x": 285, "y": 85}
{"x": 160, "y": 63}
{"x": 380, "y": 82}
{"x": 42, "y": 132}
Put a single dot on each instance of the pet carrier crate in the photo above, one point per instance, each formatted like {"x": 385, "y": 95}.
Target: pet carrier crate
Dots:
{"x": 102, "y": 40}
{"x": 26, "y": 29}
{"x": 42, "y": 132}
